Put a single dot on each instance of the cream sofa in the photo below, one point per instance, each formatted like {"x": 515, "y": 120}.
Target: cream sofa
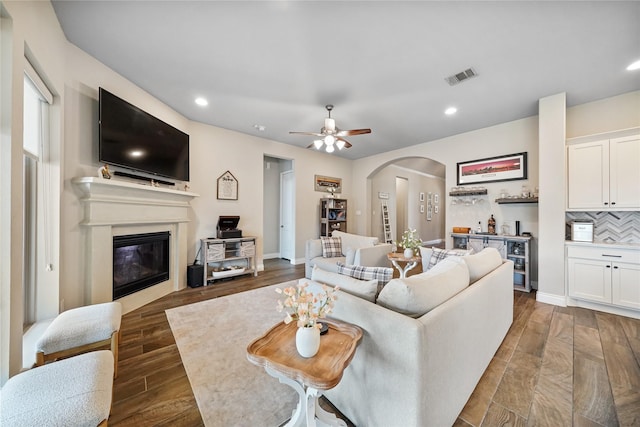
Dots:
{"x": 356, "y": 250}
{"x": 413, "y": 369}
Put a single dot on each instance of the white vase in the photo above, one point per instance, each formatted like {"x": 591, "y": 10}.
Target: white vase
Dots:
{"x": 308, "y": 341}
{"x": 408, "y": 253}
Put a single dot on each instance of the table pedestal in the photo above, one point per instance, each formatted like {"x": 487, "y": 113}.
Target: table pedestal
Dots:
{"x": 308, "y": 412}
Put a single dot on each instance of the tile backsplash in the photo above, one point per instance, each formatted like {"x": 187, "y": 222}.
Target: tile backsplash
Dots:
{"x": 623, "y": 227}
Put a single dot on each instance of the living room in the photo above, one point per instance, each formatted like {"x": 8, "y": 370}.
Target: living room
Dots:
{"x": 32, "y": 30}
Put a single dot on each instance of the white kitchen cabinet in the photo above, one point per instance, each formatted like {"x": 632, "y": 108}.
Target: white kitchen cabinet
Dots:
{"x": 604, "y": 275}
{"x": 604, "y": 175}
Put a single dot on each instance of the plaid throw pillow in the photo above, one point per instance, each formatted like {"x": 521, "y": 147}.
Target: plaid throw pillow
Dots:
{"x": 381, "y": 274}
{"x": 331, "y": 247}
{"x": 440, "y": 254}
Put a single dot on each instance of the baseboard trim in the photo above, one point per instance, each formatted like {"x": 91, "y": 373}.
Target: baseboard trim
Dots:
{"x": 553, "y": 299}
{"x": 271, "y": 255}
{"x": 298, "y": 261}
{"x": 620, "y": 311}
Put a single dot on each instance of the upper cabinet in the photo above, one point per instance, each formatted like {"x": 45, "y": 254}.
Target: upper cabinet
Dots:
{"x": 604, "y": 175}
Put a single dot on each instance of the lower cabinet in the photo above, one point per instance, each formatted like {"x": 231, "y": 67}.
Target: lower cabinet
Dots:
{"x": 604, "y": 275}
{"x": 515, "y": 248}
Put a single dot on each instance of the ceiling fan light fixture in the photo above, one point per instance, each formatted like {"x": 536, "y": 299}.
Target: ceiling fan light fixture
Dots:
{"x": 330, "y": 149}
{"x": 340, "y": 144}
{"x": 329, "y": 140}
{"x": 318, "y": 143}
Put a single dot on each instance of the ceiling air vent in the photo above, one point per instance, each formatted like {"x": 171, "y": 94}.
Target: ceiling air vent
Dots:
{"x": 461, "y": 76}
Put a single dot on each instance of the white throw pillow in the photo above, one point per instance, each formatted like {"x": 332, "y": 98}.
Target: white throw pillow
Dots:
{"x": 482, "y": 263}
{"x": 365, "y": 289}
{"x": 419, "y": 294}
{"x": 355, "y": 241}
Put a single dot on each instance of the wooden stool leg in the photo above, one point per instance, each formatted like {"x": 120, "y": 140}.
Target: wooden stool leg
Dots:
{"x": 39, "y": 358}
{"x": 114, "y": 349}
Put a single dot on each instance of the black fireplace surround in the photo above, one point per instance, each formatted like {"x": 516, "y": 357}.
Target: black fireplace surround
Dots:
{"x": 139, "y": 261}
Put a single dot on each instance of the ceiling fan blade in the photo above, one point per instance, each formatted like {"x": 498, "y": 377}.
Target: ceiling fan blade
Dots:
{"x": 347, "y": 144}
{"x": 353, "y": 132}
{"x": 306, "y": 133}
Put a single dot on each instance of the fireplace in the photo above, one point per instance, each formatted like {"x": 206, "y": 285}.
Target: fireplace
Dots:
{"x": 139, "y": 261}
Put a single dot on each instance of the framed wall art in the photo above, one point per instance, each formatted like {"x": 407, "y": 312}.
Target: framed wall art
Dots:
{"x": 328, "y": 184}
{"x": 227, "y": 187}
{"x": 511, "y": 167}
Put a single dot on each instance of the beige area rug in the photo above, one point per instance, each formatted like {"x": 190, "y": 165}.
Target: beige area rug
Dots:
{"x": 212, "y": 337}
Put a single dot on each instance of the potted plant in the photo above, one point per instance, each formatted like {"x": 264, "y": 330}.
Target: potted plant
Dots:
{"x": 410, "y": 242}
{"x": 306, "y": 308}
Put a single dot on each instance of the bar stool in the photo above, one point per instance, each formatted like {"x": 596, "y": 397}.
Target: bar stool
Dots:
{"x": 80, "y": 330}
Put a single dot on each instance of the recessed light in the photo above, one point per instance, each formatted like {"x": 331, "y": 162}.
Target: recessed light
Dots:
{"x": 451, "y": 111}
{"x": 202, "y": 102}
{"x": 634, "y": 66}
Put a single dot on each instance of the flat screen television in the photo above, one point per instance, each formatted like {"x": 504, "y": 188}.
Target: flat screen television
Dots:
{"x": 134, "y": 139}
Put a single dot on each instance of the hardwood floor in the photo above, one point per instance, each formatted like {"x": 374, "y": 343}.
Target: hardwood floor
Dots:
{"x": 556, "y": 367}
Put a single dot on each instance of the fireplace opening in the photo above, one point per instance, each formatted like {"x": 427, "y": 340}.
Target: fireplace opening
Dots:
{"x": 139, "y": 261}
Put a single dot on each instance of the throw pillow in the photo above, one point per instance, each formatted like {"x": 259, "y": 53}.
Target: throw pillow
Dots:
{"x": 331, "y": 247}
{"x": 440, "y": 254}
{"x": 482, "y": 263}
{"x": 381, "y": 274}
{"x": 421, "y": 293}
{"x": 365, "y": 289}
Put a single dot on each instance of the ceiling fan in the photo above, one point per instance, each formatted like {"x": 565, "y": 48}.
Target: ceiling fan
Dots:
{"x": 331, "y": 135}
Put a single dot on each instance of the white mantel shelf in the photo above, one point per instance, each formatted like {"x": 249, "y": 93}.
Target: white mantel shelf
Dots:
{"x": 113, "y": 208}
{"x": 109, "y": 201}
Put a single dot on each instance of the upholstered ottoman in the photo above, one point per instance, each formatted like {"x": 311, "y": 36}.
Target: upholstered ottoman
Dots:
{"x": 80, "y": 330}
{"x": 72, "y": 392}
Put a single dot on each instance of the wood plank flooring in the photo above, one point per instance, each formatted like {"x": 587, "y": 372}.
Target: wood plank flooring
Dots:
{"x": 556, "y": 367}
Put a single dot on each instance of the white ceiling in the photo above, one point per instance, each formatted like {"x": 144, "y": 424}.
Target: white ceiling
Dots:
{"x": 381, "y": 63}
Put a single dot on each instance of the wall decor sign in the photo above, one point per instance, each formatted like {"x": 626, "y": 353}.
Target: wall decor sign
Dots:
{"x": 511, "y": 167}
{"x": 383, "y": 195}
{"x": 227, "y": 187}
{"x": 422, "y": 197}
{"x": 324, "y": 183}
{"x": 429, "y": 206}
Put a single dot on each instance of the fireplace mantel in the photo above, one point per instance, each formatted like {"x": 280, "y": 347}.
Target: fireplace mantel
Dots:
{"x": 113, "y": 207}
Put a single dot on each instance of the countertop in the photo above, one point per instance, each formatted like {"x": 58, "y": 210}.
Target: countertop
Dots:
{"x": 621, "y": 245}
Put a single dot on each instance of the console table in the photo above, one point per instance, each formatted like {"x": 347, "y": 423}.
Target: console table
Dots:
{"x": 276, "y": 352}
{"x": 228, "y": 257}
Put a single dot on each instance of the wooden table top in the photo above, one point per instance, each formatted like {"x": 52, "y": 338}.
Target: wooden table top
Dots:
{"x": 276, "y": 350}
{"x": 399, "y": 256}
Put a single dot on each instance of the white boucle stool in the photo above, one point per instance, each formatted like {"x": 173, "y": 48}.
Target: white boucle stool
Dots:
{"x": 72, "y": 392}
{"x": 80, "y": 330}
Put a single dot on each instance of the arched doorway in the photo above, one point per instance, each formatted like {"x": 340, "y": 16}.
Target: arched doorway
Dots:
{"x": 423, "y": 201}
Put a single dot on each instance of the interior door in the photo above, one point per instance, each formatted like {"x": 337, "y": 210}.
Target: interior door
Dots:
{"x": 287, "y": 216}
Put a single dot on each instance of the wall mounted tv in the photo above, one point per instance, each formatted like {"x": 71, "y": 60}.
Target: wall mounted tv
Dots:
{"x": 134, "y": 139}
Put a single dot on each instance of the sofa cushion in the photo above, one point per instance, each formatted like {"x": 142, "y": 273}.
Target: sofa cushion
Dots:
{"x": 419, "y": 294}
{"x": 331, "y": 246}
{"x": 365, "y": 289}
{"x": 381, "y": 274}
{"x": 482, "y": 263}
{"x": 432, "y": 256}
{"x": 354, "y": 241}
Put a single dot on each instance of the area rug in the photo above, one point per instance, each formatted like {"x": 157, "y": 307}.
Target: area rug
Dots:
{"x": 212, "y": 337}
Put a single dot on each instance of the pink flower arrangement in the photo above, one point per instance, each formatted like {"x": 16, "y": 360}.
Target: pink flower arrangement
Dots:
{"x": 305, "y": 307}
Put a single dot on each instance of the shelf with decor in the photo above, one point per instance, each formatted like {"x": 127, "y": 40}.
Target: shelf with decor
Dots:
{"x": 228, "y": 257}
{"x": 460, "y": 193}
{"x": 510, "y": 200}
{"x": 333, "y": 216}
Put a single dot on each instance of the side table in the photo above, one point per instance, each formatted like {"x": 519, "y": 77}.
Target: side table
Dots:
{"x": 396, "y": 258}
{"x": 276, "y": 352}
